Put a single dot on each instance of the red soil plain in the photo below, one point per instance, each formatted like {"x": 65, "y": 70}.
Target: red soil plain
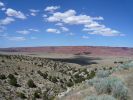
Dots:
{"x": 77, "y": 50}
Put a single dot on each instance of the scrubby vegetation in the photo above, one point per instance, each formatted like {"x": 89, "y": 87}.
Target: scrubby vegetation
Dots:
{"x": 31, "y": 83}
{"x": 101, "y": 97}
{"x": 42, "y": 78}
{"x": 12, "y": 80}
{"x": 2, "y": 76}
{"x": 21, "y": 95}
{"x": 112, "y": 86}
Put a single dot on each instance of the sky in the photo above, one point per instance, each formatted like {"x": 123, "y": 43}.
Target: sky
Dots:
{"x": 25, "y": 23}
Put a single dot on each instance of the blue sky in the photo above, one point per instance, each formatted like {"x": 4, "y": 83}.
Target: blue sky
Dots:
{"x": 66, "y": 23}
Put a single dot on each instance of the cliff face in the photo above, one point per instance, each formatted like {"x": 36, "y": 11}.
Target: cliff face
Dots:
{"x": 113, "y": 51}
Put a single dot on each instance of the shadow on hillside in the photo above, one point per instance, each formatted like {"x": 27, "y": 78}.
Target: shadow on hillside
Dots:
{"x": 81, "y": 60}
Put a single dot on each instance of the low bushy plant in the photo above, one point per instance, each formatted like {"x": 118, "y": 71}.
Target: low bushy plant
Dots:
{"x": 31, "y": 83}
{"x": 21, "y": 95}
{"x": 110, "y": 85}
{"x": 13, "y": 80}
{"x": 37, "y": 94}
{"x": 101, "y": 97}
{"x": 102, "y": 73}
{"x": 119, "y": 90}
{"x": 2, "y": 77}
{"x": 106, "y": 97}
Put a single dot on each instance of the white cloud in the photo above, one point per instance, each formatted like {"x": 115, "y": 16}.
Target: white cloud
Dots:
{"x": 33, "y": 38}
{"x": 1, "y": 4}
{"x": 34, "y": 30}
{"x": 33, "y": 12}
{"x": 44, "y": 16}
{"x": 52, "y": 30}
{"x": 3, "y": 9}
{"x": 14, "y": 13}
{"x": 23, "y": 32}
{"x": 59, "y": 24}
{"x": 64, "y": 29}
{"x": 6, "y": 21}
{"x": 91, "y": 24}
{"x": 85, "y": 37}
{"x": 12, "y": 38}
{"x": 16, "y": 38}
{"x": 2, "y": 28}
{"x": 51, "y": 8}
{"x": 71, "y": 34}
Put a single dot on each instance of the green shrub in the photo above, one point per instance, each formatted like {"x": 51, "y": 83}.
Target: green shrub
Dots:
{"x": 103, "y": 86}
{"x": 127, "y": 65}
{"x": 91, "y": 75}
{"x": 44, "y": 75}
{"x": 70, "y": 84}
{"x": 119, "y": 90}
{"x": 21, "y": 95}
{"x": 2, "y": 77}
{"x": 37, "y": 94}
{"x": 106, "y": 97}
{"x": 102, "y": 73}
{"x": 54, "y": 79}
{"x": 31, "y": 84}
{"x": 11, "y": 76}
{"x": 13, "y": 80}
{"x": 101, "y": 97}
{"x": 109, "y": 85}
{"x": 3, "y": 61}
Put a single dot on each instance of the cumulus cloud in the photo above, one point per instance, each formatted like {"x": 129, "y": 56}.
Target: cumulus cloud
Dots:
{"x": 16, "y": 38}
{"x": 23, "y": 32}
{"x": 1, "y": 4}
{"x": 2, "y": 28}
{"x": 33, "y": 38}
{"x": 12, "y": 38}
{"x": 52, "y": 30}
{"x": 91, "y": 24}
{"x": 85, "y": 37}
{"x": 34, "y": 30}
{"x": 51, "y": 8}
{"x": 33, "y": 12}
{"x": 64, "y": 29}
{"x": 6, "y": 21}
{"x": 44, "y": 16}
{"x": 14, "y": 13}
{"x": 59, "y": 24}
{"x": 71, "y": 34}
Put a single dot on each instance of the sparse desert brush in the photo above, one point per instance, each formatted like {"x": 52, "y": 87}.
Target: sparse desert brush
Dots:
{"x": 31, "y": 83}
{"x": 92, "y": 97}
{"x": 92, "y": 81}
{"x": 2, "y": 76}
{"x": 91, "y": 75}
{"x": 44, "y": 75}
{"x": 101, "y": 97}
{"x": 70, "y": 84}
{"x": 103, "y": 86}
{"x": 21, "y": 95}
{"x": 127, "y": 65}
{"x": 106, "y": 97}
{"x": 110, "y": 85}
{"x": 11, "y": 76}
{"x": 13, "y": 80}
{"x": 102, "y": 73}
{"x": 119, "y": 90}
{"x": 37, "y": 94}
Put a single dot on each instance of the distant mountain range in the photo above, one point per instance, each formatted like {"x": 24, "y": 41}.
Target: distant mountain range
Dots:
{"x": 77, "y": 50}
